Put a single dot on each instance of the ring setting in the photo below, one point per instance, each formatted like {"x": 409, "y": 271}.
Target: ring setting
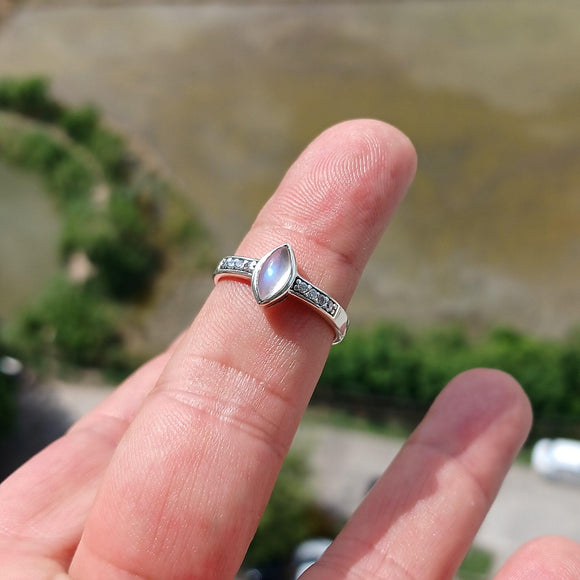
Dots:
{"x": 275, "y": 276}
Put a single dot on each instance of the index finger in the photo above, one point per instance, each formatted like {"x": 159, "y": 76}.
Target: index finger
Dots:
{"x": 183, "y": 494}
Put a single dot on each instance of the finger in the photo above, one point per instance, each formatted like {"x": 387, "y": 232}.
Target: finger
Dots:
{"x": 44, "y": 504}
{"x": 549, "y": 558}
{"x": 185, "y": 491}
{"x": 419, "y": 520}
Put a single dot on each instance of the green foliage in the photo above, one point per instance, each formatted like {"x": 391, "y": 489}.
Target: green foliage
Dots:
{"x": 8, "y": 386}
{"x": 38, "y": 152}
{"x": 119, "y": 242}
{"x": 389, "y": 367}
{"x": 80, "y": 124}
{"x": 65, "y": 174}
{"x": 381, "y": 360}
{"x": 29, "y": 97}
{"x": 121, "y": 232}
{"x": 84, "y": 225}
{"x": 290, "y": 517}
{"x": 476, "y": 565}
{"x": 441, "y": 354}
{"x": 70, "y": 180}
{"x": 67, "y": 322}
{"x": 110, "y": 151}
{"x": 536, "y": 363}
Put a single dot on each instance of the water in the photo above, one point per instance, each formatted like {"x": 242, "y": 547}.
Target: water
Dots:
{"x": 29, "y": 234}
{"x": 227, "y": 95}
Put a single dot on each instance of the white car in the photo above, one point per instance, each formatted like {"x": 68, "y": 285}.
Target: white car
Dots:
{"x": 307, "y": 554}
{"x": 557, "y": 459}
{"x": 11, "y": 367}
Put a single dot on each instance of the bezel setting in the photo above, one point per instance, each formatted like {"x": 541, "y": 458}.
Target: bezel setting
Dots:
{"x": 284, "y": 281}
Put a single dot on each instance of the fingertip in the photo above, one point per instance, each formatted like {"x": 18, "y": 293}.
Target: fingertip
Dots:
{"x": 339, "y": 195}
{"x": 546, "y": 558}
{"x": 379, "y": 153}
{"x": 482, "y": 418}
{"x": 403, "y": 156}
{"x": 381, "y": 161}
{"x": 491, "y": 394}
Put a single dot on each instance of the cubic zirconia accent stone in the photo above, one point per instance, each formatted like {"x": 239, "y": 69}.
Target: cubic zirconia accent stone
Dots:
{"x": 301, "y": 286}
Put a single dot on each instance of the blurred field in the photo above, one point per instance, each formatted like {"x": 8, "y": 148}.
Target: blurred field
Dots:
{"x": 28, "y": 223}
{"x": 226, "y": 95}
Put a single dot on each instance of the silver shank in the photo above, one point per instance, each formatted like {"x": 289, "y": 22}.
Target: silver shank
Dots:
{"x": 330, "y": 309}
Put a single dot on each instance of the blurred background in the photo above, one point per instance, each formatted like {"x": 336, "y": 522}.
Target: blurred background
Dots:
{"x": 139, "y": 139}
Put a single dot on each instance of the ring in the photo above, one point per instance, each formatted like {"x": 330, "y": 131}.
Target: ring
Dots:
{"x": 275, "y": 277}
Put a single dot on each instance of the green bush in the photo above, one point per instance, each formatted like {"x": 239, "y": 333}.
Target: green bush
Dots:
{"x": 122, "y": 236}
{"x": 8, "y": 387}
{"x": 441, "y": 354}
{"x": 70, "y": 180}
{"x": 536, "y": 363}
{"x": 128, "y": 260}
{"x": 391, "y": 367}
{"x": 119, "y": 242}
{"x": 37, "y": 151}
{"x": 290, "y": 517}
{"x": 29, "y": 97}
{"x": 83, "y": 226}
{"x": 380, "y": 359}
{"x": 66, "y": 175}
{"x": 68, "y": 323}
{"x": 476, "y": 565}
{"x": 81, "y": 123}
{"x": 110, "y": 151}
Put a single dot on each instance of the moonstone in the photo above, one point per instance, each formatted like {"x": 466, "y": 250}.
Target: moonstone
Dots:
{"x": 274, "y": 275}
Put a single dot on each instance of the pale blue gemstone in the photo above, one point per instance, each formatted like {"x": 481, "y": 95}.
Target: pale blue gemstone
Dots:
{"x": 275, "y": 275}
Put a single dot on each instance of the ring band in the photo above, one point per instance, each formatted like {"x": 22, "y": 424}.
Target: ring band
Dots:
{"x": 275, "y": 277}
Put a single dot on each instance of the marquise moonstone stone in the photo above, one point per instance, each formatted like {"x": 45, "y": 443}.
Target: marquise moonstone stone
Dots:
{"x": 274, "y": 276}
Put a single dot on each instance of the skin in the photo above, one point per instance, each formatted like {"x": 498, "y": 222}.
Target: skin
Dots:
{"x": 167, "y": 478}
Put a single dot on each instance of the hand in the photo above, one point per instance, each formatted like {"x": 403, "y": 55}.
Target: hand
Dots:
{"x": 167, "y": 479}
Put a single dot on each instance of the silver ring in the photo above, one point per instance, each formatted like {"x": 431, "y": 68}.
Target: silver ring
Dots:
{"x": 275, "y": 277}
